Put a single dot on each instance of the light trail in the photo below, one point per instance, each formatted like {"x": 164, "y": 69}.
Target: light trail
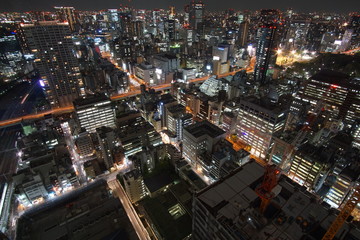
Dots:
{"x": 69, "y": 109}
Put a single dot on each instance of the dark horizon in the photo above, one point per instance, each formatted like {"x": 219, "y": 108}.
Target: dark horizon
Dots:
{"x": 341, "y": 7}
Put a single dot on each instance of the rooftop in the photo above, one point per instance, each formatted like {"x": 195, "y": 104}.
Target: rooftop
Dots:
{"x": 204, "y": 128}
{"x": 91, "y": 99}
{"x": 292, "y": 214}
{"x": 331, "y": 77}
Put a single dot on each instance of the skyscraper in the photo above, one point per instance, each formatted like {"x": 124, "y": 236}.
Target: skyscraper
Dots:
{"x": 265, "y": 43}
{"x": 264, "y": 51}
{"x": 243, "y": 33}
{"x": 94, "y": 112}
{"x": 67, "y": 14}
{"x": 196, "y": 14}
{"x": 51, "y": 42}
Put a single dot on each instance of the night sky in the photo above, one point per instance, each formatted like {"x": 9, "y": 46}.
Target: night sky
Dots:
{"x": 341, "y": 6}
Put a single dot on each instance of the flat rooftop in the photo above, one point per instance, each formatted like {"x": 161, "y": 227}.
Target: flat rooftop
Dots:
{"x": 204, "y": 128}
{"x": 331, "y": 77}
{"x": 293, "y": 213}
{"x": 91, "y": 99}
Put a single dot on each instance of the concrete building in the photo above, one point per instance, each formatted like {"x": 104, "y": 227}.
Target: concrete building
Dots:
{"x": 310, "y": 166}
{"x": 90, "y": 212}
{"x": 84, "y": 144}
{"x": 146, "y": 72}
{"x": 107, "y": 141}
{"x": 228, "y": 209}
{"x": 94, "y": 112}
{"x": 199, "y": 139}
{"x": 177, "y": 119}
{"x": 258, "y": 120}
{"x": 136, "y": 133}
{"x": 52, "y": 45}
{"x": 134, "y": 185}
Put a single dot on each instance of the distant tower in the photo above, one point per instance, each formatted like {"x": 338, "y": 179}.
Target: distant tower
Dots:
{"x": 67, "y": 14}
{"x": 196, "y": 14}
{"x": 264, "y": 51}
{"x": 265, "y": 48}
{"x": 243, "y": 33}
{"x": 172, "y": 12}
{"x": 51, "y": 42}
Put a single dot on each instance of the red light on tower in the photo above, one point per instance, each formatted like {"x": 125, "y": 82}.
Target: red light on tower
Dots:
{"x": 333, "y": 86}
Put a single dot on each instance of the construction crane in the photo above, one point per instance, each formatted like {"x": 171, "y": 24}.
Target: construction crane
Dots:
{"x": 264, "y": 191}
{"x": 343, "y": 215}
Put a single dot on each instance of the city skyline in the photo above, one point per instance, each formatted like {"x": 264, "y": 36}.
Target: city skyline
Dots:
{"x": 179, "y": 122}
{"x": 322, "y": 6}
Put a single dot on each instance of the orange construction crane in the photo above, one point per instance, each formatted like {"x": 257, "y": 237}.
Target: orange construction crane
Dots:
{"x": 264, "y": 191}
{"x": 343, "y": 215}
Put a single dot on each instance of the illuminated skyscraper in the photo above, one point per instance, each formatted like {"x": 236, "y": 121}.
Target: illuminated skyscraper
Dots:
{"x": 52, "y": 45}
{"x": 266, "y": 43}
{"x": 264, "y": 51}
{"x": 258, "y": 121}
{"x": 94, "y": 112}
{"x": 196, "y": 14}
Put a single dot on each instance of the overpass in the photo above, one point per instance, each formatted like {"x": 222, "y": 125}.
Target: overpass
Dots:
{"x": 69, "y": 109}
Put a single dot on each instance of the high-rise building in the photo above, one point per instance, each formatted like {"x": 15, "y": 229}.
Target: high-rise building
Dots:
{"x": 199, "y": 139}
{"x": 337, "y": 92}
{"x": 51, "y": 42}
{"x": 196, "y": 14}
{"x": 171, "y": 29}
{"x": 310, "y": 165}
{"x": 134, "y": 185}
{"x": 84, "y": 144}
{"x": 67, "y": 14}
{"x": 258, "y": 120}
{"x": 177, "y": 119}
{"x": 344, "y": 183}
{"x": 107, "y": 142}
{"x": 264, "y": 51}
{"x": 94, "y": 112}
{"x": 243, "y": 33}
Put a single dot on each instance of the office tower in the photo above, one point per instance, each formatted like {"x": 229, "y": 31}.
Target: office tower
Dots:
{"x": 196, "y": 14}
{"x": 229, "y": 122}
{"x": 177, "y": 119}
{"x": 134, "y": 185}
{"x": 221, "y": 53}
{"x": 84, "y": 144}
{"x": 258, "y": 120}
{"x": 11, "y": 58}
{"x": 228, "y": 209}
{"x": 94, "y": 112}
{"x": 135, "y": 133}
{"x": 310, "y": 165}
{"x": 264, "y": 51}
{"x": 243, "y": 33}
{"x": 52, "y": 45}
{"x": 344, "y": 183}
{"x": 67, "y": 14}
{"x": 335, "y": 92}
{"x": 107, "y": 142}
{"x": 171, "y": 29}
{"x": 354, "y": 25}
{"x": 199, "y": 139}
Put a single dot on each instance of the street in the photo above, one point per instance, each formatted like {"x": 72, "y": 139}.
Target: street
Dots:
{"x": 131, "y": 213}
